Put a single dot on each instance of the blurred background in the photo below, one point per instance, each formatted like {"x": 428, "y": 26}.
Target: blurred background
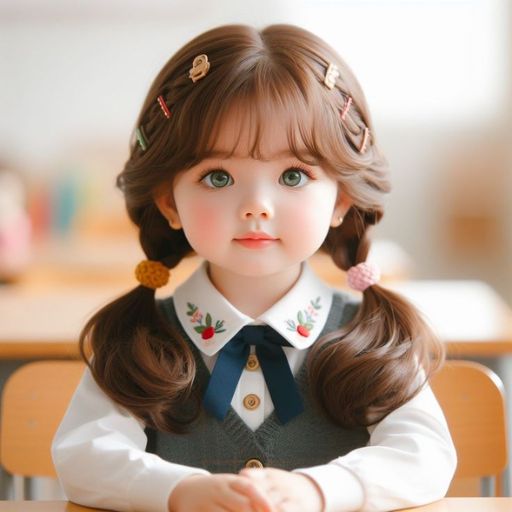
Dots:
{"x": 73, "y": 75}
{"x": 437, "y": 75}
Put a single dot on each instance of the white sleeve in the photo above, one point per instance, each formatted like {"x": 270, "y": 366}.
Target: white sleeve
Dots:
{"x": 409, "y": 461}
{"x": 99, "y": 454}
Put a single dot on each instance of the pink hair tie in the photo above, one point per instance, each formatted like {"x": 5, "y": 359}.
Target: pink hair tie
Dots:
{"x": 363, "y": 275}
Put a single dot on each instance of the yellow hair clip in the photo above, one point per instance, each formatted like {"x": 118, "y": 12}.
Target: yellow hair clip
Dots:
{"x": 200, "y": 68}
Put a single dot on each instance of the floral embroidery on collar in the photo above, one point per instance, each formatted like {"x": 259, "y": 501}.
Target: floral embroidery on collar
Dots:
{"x": 305, "y": 319}
{"x": 206, "y": 329}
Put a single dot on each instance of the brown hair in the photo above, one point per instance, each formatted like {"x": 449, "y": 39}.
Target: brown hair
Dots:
{"x": 360, "y": 373}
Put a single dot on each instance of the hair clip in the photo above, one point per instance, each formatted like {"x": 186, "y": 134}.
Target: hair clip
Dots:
{"x": 163, "y": 106}
{"x": 346, "y": 106}
{"x": 141, "y": 138}
{"x": 362, "y": 149}
{"x": 330, "y": 76}
{"x": 200, "y": 67}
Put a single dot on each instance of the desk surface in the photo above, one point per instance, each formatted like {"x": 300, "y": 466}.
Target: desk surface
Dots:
{"x": 469, "y": 316}
{"x": 461, "y": 505}
{"x": 446, "y": 505}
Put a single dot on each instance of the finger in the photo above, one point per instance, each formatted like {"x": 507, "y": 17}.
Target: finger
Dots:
{"x": 228, "y": 501}
{"x": 267, "y": 487}
{"x": 271, "y": 489}
{"x": 236, "y": 502}
{"x": 285, "y": 503}
{"x": 229, "y": 498}
{"x": 240, "y": 502}
{"x": 256, "y": 495}
{"x": 253, "y": 473}
{"x": 276, "y": 497}
{"x": 217, "y": 507}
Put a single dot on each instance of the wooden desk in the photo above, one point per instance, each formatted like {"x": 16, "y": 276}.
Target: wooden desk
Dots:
{"x": 469, "y": 316}
{"x": 38, "y": 320}
{"x": 44, "y": 506}
{"x": 465, "y": 505}
{"x": 446, "y": 505}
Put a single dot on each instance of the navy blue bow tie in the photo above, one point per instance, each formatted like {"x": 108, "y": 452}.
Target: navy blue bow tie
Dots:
{"x": 278, "y": 376}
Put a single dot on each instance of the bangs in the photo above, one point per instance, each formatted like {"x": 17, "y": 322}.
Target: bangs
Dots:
{"x": 289, "y": 100}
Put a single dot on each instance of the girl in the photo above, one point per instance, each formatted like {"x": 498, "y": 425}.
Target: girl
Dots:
{"x": 255, "y": 386}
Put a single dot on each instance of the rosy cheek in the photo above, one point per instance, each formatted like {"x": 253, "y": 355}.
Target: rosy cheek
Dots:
{"x": 314, "y": 215}
{"x": 202, "y": 223}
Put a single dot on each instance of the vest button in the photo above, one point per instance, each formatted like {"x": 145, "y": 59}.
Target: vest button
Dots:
{"x": 252, "y": 363}
{"x": 251, "y": 402}
{"x": 254, "y": 463}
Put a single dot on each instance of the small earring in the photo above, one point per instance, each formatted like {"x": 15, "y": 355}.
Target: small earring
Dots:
{"x": 175, "y": 224}
{"x": 338, "y": 222}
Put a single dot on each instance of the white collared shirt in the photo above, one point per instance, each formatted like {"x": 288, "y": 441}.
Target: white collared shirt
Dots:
{"x": 99, "y": 449}
{"x": 299, "y": 317}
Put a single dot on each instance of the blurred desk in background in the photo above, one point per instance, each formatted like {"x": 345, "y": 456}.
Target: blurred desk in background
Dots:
{"x": 71, "y": 278}
{"x": 42, "y": 321}
{"x": 464, "y": 505}
{"x": 469, "y": 316}
{"x": 38, "y": 324}
{"x": 445, "y": 505}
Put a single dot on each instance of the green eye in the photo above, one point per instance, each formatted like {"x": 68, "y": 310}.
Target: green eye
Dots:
{"x": 293, "y": 178}
{"x": 217, "y": 179}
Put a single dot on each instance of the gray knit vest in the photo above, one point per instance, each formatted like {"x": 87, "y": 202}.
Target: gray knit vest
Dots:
{"x": 225, "y": 446}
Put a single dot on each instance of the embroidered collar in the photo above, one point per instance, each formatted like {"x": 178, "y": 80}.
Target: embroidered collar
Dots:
{"x": 211, "y": 321}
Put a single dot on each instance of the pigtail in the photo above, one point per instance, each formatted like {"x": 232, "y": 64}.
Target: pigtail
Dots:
{"x": 383, "y": 356}
{"x": 138, "y": 359}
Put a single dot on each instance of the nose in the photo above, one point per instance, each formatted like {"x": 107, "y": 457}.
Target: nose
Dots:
{"x": 256, "y": 206}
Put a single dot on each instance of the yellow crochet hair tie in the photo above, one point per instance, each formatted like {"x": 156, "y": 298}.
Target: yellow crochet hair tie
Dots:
{"x": 152, "y": 274}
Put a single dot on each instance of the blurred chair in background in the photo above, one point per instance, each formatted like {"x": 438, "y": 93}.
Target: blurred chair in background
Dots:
{"x": 34, "y": 400}
{"x": 473, "y": 400}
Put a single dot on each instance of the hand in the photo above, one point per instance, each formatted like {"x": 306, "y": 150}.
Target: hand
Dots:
{"x": 218, "y": 493}
{"x": 288, "y": 492}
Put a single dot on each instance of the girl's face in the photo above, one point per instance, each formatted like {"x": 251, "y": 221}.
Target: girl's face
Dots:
{"x": 254, "y": 217}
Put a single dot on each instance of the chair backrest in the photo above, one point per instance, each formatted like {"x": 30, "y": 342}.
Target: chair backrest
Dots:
{"x": 34, "y": 400}
{"x": 472, "y": 398}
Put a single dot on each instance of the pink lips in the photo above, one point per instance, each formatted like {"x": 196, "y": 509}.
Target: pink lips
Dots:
{"x": 256, "y": 240}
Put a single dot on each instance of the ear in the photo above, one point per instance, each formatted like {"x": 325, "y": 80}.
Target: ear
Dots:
{"x": 342, "y": 206}
{"x": 165, "y": 203}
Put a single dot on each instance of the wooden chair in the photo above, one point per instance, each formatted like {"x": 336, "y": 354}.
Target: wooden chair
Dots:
{"x": 472, "y": 398}
{"x": 34, "y": 400}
